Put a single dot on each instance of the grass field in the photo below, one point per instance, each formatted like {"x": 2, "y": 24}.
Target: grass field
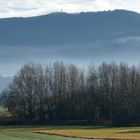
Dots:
{"x": 28, "y": 133}
{"x": 68, "y": 133}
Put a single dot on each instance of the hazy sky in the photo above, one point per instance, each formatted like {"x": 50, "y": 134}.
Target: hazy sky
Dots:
{"x": 12, "y": 8}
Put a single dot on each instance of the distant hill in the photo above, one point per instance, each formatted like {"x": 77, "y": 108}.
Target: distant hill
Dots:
{"x": 63, "y": 28}
{"x": 74, "y": 38}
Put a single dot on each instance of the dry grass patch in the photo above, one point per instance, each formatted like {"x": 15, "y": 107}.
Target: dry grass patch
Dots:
{"x": 130, "y": 133}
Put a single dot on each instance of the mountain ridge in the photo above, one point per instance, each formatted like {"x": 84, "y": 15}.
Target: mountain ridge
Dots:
{"x": 66, "y": 13}
{"x": 64, "y": 28}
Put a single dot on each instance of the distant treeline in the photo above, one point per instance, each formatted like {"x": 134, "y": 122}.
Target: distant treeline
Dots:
{"x": 64, "y": 93}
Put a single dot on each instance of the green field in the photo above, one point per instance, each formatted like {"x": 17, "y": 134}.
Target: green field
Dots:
{"x": 28, "y": 133}
{"x": 68, "y": 133}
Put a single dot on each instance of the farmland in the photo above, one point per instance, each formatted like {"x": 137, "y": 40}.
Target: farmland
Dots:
{"x": 68, "y": 133}
{"x": 28, "y": 133}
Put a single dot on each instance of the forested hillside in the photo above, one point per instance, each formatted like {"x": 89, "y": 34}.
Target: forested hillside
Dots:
{"x": 63, "y": 29}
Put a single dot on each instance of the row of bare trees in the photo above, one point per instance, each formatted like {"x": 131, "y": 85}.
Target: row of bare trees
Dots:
{"x": 65, "y": 92}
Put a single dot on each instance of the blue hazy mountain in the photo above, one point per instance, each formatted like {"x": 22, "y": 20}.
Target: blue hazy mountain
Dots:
{"x": 62, "y": 28}
{"x": 73, "y": 38}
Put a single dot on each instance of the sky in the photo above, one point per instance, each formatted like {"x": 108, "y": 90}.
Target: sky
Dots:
{"x": 28, "y": 8}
